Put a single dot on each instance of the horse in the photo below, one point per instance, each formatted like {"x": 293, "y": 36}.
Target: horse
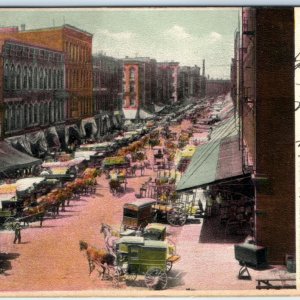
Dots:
{"x": 97, "y": 256}
{"x": 110, "y": 238}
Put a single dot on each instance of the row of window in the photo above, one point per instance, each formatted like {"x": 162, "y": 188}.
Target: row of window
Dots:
{"x": 28, "y": 78}
{"x": 78, "y": 52}
{"x": 29, "y": 52}
{"x": 20, "y": 116}
{"x": 78, "y": 79}
{"x": 131, "y": 101}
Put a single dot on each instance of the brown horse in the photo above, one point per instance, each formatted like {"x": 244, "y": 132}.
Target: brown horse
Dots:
{"x": 97, "y": 257}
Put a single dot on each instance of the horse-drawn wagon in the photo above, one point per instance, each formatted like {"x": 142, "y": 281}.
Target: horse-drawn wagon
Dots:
{"x": 138, "y": 256}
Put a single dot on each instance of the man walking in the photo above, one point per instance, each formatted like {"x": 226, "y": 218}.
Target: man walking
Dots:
{"x": 17, "y": 228}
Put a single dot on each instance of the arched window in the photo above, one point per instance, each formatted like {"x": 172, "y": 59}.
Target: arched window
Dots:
{"x": 35, "y": 78}
{"x": 18, "y": 117}
{"x": 46, "y": 113}
{"x": 62, "y": 79}
{"x": 25, "y": 115}
{"x": 25, "y": 78}
{"x": 12, "y": 77}
{"x": 30, "y": 114}
{"x": 74, "y": 79}
{"x": 30, "y": 78}
{"x": 41, "y": 113}
{"x": 41, "y": 79}
{"x": 58, "y": 79}
{"x": 52, "y": 112}
{"x": 6, "y": 77}
{"x": 50, "y": 79}
{"x": 131, "y": 73}
{"x": 54, "y": 79}
{"x": 6, "y": 120}
{"x": 45, "y": 78}
{"x": 18, "y": 78}
{"x": 35, "y": 113}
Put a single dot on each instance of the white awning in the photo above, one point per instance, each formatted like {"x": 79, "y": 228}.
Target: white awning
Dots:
{"x": 158, "y": 108}
{"x": 145, "y": 115}
{"x": 88, "y": 121}
{"x": 130, "y": 114}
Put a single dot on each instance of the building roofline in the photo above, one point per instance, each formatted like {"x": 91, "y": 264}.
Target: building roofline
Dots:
{"x": 16, "y": 40}
{"x": 58, "y": 27}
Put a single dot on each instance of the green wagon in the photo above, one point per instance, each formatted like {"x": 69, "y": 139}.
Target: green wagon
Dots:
{"x": 137, "y": 256}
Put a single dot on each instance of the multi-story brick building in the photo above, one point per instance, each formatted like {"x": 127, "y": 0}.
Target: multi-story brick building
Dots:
{"x": 32, "y": 91}
{"x": 189, "y": 82}
{"x": 139, "y": 87}
{"x": 76, "y": 44}
{"x": 266, "y": 108}
{"x": 167, "y": 82}
{"x": 107, "y": 91}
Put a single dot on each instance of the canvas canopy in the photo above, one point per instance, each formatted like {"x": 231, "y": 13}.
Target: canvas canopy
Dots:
{"x": 215, "y": 161}
{"x": 12, "y": 159}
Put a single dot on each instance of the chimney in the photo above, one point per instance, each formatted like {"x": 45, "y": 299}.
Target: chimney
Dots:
{"x": 22, "y": 27}
{"x": 203, "y": 68}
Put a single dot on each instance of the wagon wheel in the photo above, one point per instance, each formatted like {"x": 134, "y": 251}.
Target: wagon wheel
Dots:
{"x": 176, "y": 216}
{"x": 169, "y": 266}
{"x": 156, "y": 279}
{"x": 9, "y": 223}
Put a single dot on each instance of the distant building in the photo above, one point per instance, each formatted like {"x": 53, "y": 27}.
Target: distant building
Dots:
{"x": 189, "y": 82}
{"x": 107, "y": 90}
{"x": 139, "y": 86}
{"x": 215, "y": 87}
{"x": 167, "y": 82}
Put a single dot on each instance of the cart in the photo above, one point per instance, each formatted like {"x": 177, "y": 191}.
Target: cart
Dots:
{"x": 138, "y": 214}
{"x": 139, "y": 257}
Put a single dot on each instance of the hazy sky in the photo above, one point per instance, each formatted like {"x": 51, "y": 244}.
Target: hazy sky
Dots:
{"x": 184, "y": 35}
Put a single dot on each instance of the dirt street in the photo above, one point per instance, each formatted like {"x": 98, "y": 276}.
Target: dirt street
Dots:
{"x": 48, "y": 259}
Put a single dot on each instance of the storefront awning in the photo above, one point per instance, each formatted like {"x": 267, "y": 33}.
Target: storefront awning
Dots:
{"x": 91, "y": 122}
{"x": 145, "y": 115}
{"x": 20, "y": 143}
{"x": 158, "y": 108}
{"x": 12, "y": 159}
{"x": 219, "y": 159}
{"x": 52, "y": 137}
{"x": 130, "y": 114}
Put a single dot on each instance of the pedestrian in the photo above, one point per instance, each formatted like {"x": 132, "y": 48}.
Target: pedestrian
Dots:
{"x": 209, "y": 204}
{"x": 17, "y": 229}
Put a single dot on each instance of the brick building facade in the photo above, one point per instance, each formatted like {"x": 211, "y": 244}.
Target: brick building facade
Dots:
{"x": 76, "y": 44}
{"x": 266, "y": 107}
{"x": 139, "y": 84}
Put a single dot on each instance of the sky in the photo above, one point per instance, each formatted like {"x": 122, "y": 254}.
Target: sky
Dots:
{"x": 186, "y": 35}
